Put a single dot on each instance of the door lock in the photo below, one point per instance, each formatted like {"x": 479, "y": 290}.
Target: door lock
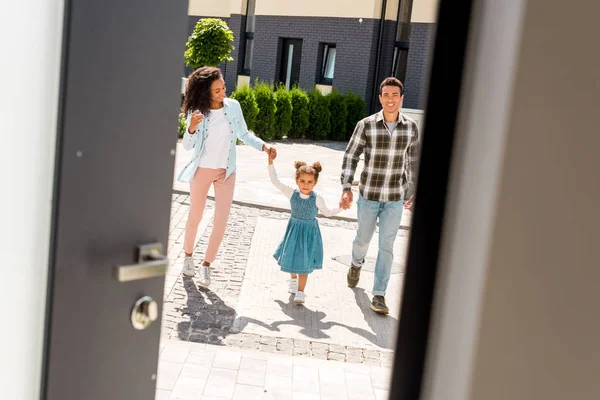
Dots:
{"x": 145, "y": 312}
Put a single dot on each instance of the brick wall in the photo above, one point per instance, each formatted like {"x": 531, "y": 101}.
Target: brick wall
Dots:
{"x": 417, "y": 71}
{"x": 355, "y": 48}
{"x": 356, "y": 45}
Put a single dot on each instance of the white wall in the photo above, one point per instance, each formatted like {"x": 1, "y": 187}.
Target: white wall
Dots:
{"x": 30, "y": 43}
{"x": 203, "y": 8}
{"x": 424, "y": 11}
{"x": 516, "y": 313}
{"x": 320, "y": 8}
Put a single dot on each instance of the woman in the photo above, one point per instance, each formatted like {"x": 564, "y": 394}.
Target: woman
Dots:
{"x": 214, "y": 122}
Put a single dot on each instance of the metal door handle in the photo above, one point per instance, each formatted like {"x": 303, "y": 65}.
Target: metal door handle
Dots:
{"x": 151, "y": 264}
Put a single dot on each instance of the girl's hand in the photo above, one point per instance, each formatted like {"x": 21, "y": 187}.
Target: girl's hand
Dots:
{"x": 197, "y": 118}
{"x": 272, "y": 153}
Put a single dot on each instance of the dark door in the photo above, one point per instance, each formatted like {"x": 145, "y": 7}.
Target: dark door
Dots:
{"x": 291, "y": 55}
{"x": 121, "y": 73}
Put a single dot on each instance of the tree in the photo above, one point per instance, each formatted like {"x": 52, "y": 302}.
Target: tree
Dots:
{"x": 209, "y": 44}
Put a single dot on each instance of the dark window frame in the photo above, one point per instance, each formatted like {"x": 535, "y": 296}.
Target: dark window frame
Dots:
{"x": 324, "y": 54}
{"x": 248, "y": 38}
{"x": 399, "y": 69}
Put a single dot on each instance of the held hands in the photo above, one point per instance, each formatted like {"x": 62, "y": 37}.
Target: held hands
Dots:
{"x": 346, "y": 200}
{"x": 271, "y": 153}
{"x": 197, "y": 118}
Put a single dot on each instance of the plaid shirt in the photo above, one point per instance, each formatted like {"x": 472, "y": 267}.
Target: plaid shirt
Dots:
{"x": 390, "y": 158}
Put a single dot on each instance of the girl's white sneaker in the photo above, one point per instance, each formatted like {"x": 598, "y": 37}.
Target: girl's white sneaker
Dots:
{"x": 293, "y": 286}
{"x": 300, "y": 297}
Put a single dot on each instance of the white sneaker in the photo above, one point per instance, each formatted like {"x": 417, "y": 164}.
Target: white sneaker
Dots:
{"x": 293, "y": 286}
{"x": 188, "y": 267}
{"x": 300, "y": 297}
{"x": 205, "y": 276}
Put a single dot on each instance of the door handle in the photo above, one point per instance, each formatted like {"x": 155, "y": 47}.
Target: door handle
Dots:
{"x": 151, "y": 264}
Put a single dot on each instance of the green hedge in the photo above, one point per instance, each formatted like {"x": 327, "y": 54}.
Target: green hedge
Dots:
{"x": 355, "y": 107}
{"x": 297, "y": 114}
{"x": 265, "y": 126}
{"x": 182, "y": 124}
{"x": 320, "y": 116}
{"x": 339, "y": 115}
{"x": 283, "y": 113}
{"x": 300, "y": 113}
{"x": 245, "y": 96}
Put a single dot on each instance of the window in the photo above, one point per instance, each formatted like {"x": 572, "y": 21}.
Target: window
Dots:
{"x": 249, "y": 45}
{"x": 328, "y": 53}
{"x": 291, "y": 55}
{"x": 400, "y": 61}
{"x": 402, "y": 40}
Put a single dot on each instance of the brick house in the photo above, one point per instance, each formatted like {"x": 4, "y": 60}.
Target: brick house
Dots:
{"x": 337, "y": 44}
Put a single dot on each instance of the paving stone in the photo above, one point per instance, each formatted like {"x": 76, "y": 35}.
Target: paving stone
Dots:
{"x": 336, "y": 356}
{"x": 196, "y": 314}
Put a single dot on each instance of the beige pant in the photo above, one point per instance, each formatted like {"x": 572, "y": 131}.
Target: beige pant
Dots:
{"x": 203, "y": 178}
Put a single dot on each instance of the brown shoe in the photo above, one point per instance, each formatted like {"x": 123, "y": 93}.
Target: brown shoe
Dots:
{"x": 378, "y": 305}
{"x": 353, "y": 276}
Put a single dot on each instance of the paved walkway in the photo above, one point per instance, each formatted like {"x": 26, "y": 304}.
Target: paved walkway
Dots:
{"x": 333, "y": 313}
{"x": 195, "y": 371}
{"x": 244, "y": 337}
{"x": 253, "y": 186}
{"x": 247, "y": 304}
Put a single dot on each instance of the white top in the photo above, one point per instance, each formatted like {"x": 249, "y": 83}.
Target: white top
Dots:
{"x": 288, "y": 191}
{"x": 218, "y": 141}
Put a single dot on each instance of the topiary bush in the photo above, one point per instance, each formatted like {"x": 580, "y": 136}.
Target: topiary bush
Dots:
{"x": 283, "y": 113}
{"x": 300, "y": 113}
{"x": 339, "y": 115}
{"x": 320, "y": 116}
{"x": 245, "y": 96}
{"x": 355, "y": 107}
{"x": 182, "y": 124}
{"x": 264, "y": 126}
{"x": 209, "y": 44}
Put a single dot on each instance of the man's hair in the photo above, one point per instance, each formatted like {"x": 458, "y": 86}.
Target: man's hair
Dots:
{"x": 391, "y": 81}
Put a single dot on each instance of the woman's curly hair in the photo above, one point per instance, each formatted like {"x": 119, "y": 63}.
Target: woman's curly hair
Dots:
{"x": 303, "y": 168}
{"x": 197, "y": 90}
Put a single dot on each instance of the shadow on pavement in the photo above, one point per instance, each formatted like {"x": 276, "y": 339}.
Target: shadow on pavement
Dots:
{"x": 305, "y": 321}
{"x": 210, "y": 319}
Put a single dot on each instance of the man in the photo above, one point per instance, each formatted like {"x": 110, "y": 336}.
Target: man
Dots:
{"x": 389, "y": 140}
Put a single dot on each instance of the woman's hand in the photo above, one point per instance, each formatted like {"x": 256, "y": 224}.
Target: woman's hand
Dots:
{"x": 197, "y": 118}
{"x": 270, "y": 151}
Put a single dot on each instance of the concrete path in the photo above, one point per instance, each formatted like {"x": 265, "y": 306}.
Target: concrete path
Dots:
{"x": 254, "y": 187}
{"x": 194, "y": 371}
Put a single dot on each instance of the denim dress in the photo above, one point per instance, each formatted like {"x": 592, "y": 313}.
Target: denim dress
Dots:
{"x": 301, "y": 249}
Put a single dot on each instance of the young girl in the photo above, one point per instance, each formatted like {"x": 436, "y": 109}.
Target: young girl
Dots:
{"x": 301, "y": 249}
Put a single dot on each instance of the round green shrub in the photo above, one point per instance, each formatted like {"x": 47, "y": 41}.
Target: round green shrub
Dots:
{"x": 182, "y": 124}
{"x": 356, "y": 107}
{"x": 283, "y": 113}
{"x": 320, "y": 116}
{"x": 209, "y": 44}
{"x": 339, "y": 115}
{"x": 245, "y": 96}
{"x": 300, "y": 113}
{"x": 264, "y": 126}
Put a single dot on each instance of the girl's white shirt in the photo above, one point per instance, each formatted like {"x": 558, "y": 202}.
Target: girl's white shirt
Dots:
{"x": 288, "y": 191}
{"x": 218, "y": 139}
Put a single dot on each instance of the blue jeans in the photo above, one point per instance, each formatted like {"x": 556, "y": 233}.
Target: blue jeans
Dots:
{"x": 390, "y": 215}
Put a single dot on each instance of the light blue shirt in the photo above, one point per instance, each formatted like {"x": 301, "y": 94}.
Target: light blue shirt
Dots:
{"x": 196, "y": 142}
